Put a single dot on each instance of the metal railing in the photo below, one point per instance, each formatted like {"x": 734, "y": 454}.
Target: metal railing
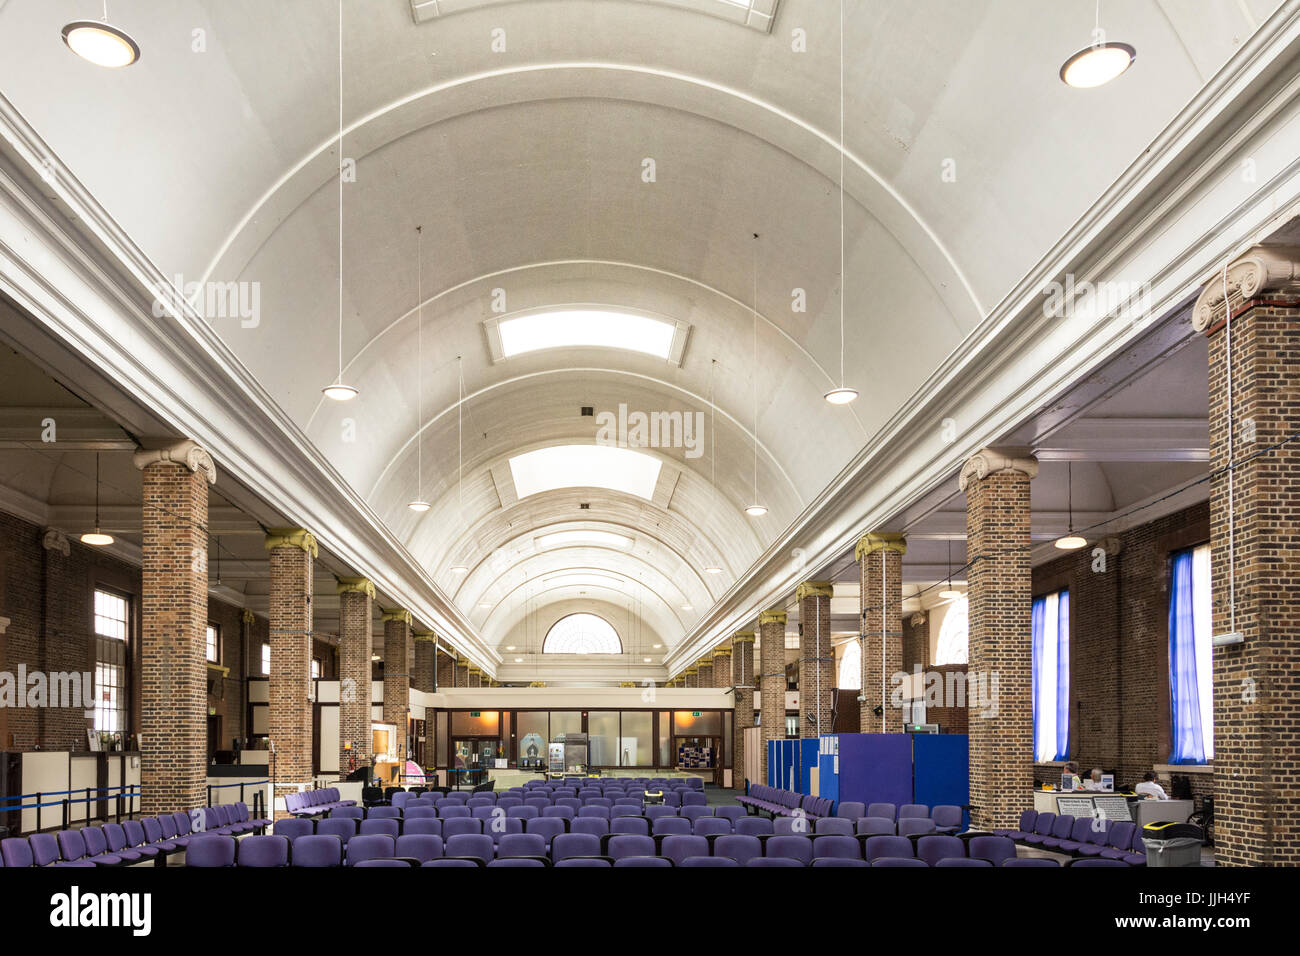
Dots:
{"x": 259, "y": 795}
{"x": 17, "y": 804}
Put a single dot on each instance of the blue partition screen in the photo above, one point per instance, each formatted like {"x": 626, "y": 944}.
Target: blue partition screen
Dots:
{"x": 808, "y": 748}
{"x": 941, "y": 771}
{"x": 876, "y": 768}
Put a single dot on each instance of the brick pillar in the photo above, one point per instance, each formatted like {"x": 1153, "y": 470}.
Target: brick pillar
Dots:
{"x": 473, "y": 676}
{"x": 691, "y": 677}
{"x": 293, "y": 556}
{"x": 1256, "y": 693}
{"x": 174, "y": 618}
{"x": 1000, "y": 684}
{"x": 399, "y": 651}
{"x": 722, "y": 667}
{"x": 816, "y": 658}
{"x": 423, "y": 674}
{"x": 356, "y": 638}
{"x": 704, "y": 671}
{"x": 462, "y": 673}
{"x": 880, "y": 562}
{"x": 742, "y": 678}
{"x": 771, "y": 637}
{"x": 446, "y": 671}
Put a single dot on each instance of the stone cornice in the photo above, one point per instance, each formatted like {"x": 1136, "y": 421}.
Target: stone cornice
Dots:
{"x": 355, "y": 586}
{"x": 1262, "y": 271}
{"x": 291, "y": 538}
{"x": 814, "y": 589}
{"x": 188, "y": 453}
{"x": 879, "y": 541}
{"x": 990, "y": 461}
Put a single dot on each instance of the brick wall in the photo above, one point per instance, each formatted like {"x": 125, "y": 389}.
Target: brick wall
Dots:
{"x": 226, "y": 698}
{"x": 816, "y": 660}
{"x": 290, "y": 715}
{"x": 771, "y": 682}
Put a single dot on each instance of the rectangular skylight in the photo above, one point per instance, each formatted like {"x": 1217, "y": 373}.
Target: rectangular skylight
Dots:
{"x": 585, "y": 466}
{"x": 560, "y": 539}
{"x": 586, "y": 328}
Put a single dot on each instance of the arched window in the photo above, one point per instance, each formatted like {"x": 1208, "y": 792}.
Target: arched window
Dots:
{"x": 851, "y": 667}
{"x": 582, "y": 634}
{"x": 954, "y": 641}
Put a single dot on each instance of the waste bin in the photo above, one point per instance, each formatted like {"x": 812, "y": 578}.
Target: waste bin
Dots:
{"x": 652, "y": 797}
{"x": 1173, "y": 844}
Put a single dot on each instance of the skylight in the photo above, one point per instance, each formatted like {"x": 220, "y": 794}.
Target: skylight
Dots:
{"x": 581, "y": 328}
{"x": 560, "y": 539}
{"x": 585, "y": 466}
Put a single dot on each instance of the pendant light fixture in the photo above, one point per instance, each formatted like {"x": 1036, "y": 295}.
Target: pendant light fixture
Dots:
{"x": 713, "y": 567}
{"x": 842, "y": 394}
{"x": 1099, "y": 62}
{"x": 97, "y": 537}
{"x": 418, "y": 504}
{"x": 950, "y": 593}
{"x": 755, "y": 510}
{"x": 460, "y": 453}
{"x": 338, "y": 391}
{"x": 1071, "y": 541}
{"x": 101, "y": 43}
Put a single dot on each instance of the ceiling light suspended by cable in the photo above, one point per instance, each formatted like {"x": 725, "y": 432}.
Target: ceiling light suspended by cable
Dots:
{"x": 97, "y": 537}
{"x": 713, "y": 568}
{"x": 338, "y": 391}
{"x": 1071, "y": 541}
{"x": 101, "y": 43}
{"x": 1099, "y": 62}
{"x": 755, "y": 510}
{"x": 841, "y": 394}
{"x": 419, "y": 505}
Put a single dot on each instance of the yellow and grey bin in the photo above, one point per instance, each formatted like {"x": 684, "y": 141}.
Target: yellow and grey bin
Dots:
{"x": 651, "y": 798}
{"x": 1173, "y": 844}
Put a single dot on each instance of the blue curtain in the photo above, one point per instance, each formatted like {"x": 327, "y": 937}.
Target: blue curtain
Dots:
{"x": 1189, "y": 743}
{"x": 1063, "y": 676}
{"x": 1038, "y": 618}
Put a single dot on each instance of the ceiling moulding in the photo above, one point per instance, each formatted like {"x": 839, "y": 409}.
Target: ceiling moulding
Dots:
{"x": 89, "y": 292}
{"x": 1170, "y": 221}
{"x": 755, "y": 14}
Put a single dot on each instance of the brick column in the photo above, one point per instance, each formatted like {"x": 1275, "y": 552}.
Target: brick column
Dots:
{"x": 174, "y": 619}
{"x": 880, "y": 562}
{"x": 1000, "y": 682}
{"x": 722, "y": 667}
{"x": 399, "y": 651}
{"x": 742, "y": 678}
{"x": 356, "y": 640}
{"x": 446, "y": 671}
{"x": 1256, "y": 693}
{"x": 473, "y": 676}
{"x": 816, "y": 658}
{"x": 691, "y": 677}
{"x": 462, "y": 673}
{"x": 422, "y": 674}
{"x": 771, "y": 637}
{"x": 704, "y": 671}
{"x": 293, "y": 556}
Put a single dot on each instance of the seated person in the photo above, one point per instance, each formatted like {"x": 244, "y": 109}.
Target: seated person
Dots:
{"x": 1094, "y": 780}
{"x": 1070, "y": 777}
{"x": 1149, "y": 788}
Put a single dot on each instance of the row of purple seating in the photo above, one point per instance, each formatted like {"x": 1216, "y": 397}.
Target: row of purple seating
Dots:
{"x": 639, "y": 783}
{"x": 312, "y": 803}
{"x": 761, "y": 799}
{"x": 1082, "y": 837}
{"x": 566, "y": 810}
{"x": 577, "y": 849}
{"x": 130, "y": 842}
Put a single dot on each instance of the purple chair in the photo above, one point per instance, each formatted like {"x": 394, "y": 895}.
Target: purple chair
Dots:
{"x": 517, "y": 862}
{"x": 471, "y": 846}
{"x": 657, "y": 811}
{"x": 584, "y": 862}
{"x": 1042, "y": 829}
{"x": 694, "y": 812}
{"x": 711, "y": 826}
{"x": 474, "y": 802}
{"x": 936, "y": 847}
{"x": 876, "y": 826}
{"x": 754, "y": 826}
{"x": 1023, "y": 829}
{"x": 886, "y": 810}
{"x": 558, "y": 812}
{"x": 384, "y": 813}
{"x": 774, "y": 860}
{"x": 211, "y": 851}
{"x": 839, "y": 861}
{"x": 670, "y": 826}
{"x": 596, "y": 812}
{"x": 389, "y": 828}
{"x": 454, "y": 812}
{"x": 45, "y": 852}
{"x": 505, "y": 803}
{"x": 1120, "y": 840}
{"x": 344, "y": 828}
{"x": 915, "y": 826}
{"x": 914, "y": 811}
{"x": 947, "y": 818}
{"x": 498, "y": 828}
{"x": 381, "y": 861}
{"x": 836, "y": 846}
{"x": 898, "y": 861}
{"x": 420, "y": 847}
{"x": 837, "y": 825}
{"x": 643, "y": 861}
{"x": 522, "y": 845}
{"x": 118, "y": 845}
{"x": 1030, "y": 861}
{"x": 293, "y": 827}
{"x": 851, "y": 810}
{"x": 1078, "y": 835}
{"x": 526, "y": 812}
{"x": 154, "y": 835}
{"x": 624, "y": 845}
{"x": 97, "y": 846}
{"x": 1061, "y": 831}
{"x": 453, "y": 863}
{"x": 370, "y": 846}
{"x": 263, "y": 852}
{"x": 637, "y": 826}
{"x": 1098, "y": 835}
{"x": 354, "y": 813}
{"x": 72, "y": 847}
{"x": 170, "y": 832}
{"x": 545, "y": 827}
{"x": 594, "y": 826}
{"x": 461, "y": 826}
{"x": 880, "y": 846}
{"x": 1096, "y": 861}
{"x": 995, "y": 849}
{"x": 731, "y": 813}
{"x": 422, "y": 827}
{"x": 568, "y": 845}
{"x": 419, "y": 813}
{"x": 960, "y": 861}
{"x": 795, "y": 847}
{"x": 707, "y": 861}
{"x": 677, "y": 848}
{"x": 738, "y": 847}
{"x": 693, "y": 798}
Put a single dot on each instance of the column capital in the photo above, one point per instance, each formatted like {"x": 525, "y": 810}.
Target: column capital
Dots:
{"x": 56, "y": 540}
{"x": 188, "y": 453}
{"x": 917, "y": 619}
{"x": 814, "y": 589}
{"x": 1263, "y": 269}
{"x": 989, "y": 461}
{"x": 246, "y": 616}
{"x": 691, "y": 671}
{"x": 474, "y": 669}
{"x": 721, "y": 652}
{"x": 772, "y": 617}
{"x": 425, "y": 636}
{"x": 627, "y": 683}
{"x": 400, "y": 614}
{"x": 355, "y": 586}
{"x": 537, "y": 683}
{"x": 879, "y": 541}
{"x": 291, "y": 538}
{"x": 742, "y": 637}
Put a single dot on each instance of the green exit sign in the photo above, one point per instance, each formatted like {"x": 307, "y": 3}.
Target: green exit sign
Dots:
{"x": 695, "y": 713}
{"x": 475, "y": 713}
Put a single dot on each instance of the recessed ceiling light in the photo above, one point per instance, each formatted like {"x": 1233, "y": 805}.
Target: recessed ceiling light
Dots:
{"x": 756, "y": 511}
{"x": 484, "y": 604}
{"x": 97, "y": 538}
{"x": 519, "y": 660}
{"x": 712, "y": 570}
{"x": 657, "y": 646}
{"x": 646, "y": 660}
{"x": 687, "y": 607}
{"x": 1070, "y": 542}
{"x": 586, "y": 328}
{"x": 459, "y": 569}
{"x": 841, "y": 396}
{"x": 100, "y": 43}
{"x": 419, "y": 506}
{"x": 1097, "y": 65}
{"x": 340, "y": 392}
{"x": 557, "y": 539}
{"x": 585, "y": 466}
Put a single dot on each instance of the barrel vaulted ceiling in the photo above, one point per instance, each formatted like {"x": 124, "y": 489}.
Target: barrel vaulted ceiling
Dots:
{"x": 965, "y": 158}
